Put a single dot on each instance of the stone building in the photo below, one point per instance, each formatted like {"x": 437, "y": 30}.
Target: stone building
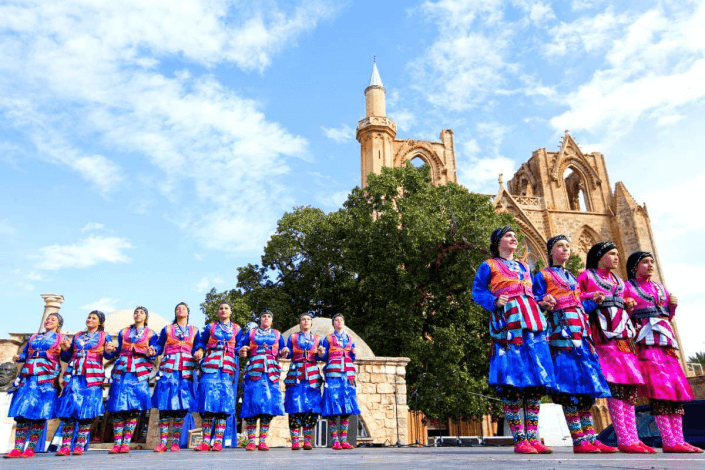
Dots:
{"x": 379, "y": 146}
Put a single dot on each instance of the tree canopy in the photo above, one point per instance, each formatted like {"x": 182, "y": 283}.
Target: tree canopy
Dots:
{"x": 398, "y": 260}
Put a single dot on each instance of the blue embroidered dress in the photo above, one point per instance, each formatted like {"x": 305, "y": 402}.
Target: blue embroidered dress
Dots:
{"x": 82, "y": 397}
{"x": 303, "y": 380}
{"x": 130, "y": 387}
{"x": 174, "y": 390}
{"x": 261, "y": 392}
{"x": 339, "y": 394}
{"x": 220, "y": 368}
{"x": 519, "y": 355}
{"x": 36, "y": 395}
{"x": 575, "y": 360}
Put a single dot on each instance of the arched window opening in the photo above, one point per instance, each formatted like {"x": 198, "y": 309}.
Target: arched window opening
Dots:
{"x": 575, "y": 190}
{"x": 418, "y": 162}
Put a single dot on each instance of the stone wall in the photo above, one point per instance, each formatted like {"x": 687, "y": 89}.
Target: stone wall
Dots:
{"x": 382, "y": 413}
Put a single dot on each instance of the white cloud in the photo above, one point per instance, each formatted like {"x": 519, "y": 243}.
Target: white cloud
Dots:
{"x": 205, "y": 284}
{"x": 654, "y": 69}
{"x": 96, "y": 68}
{"x": 480, "y": 174}
{"x": 340, "y": 134}
{"x": 104, "y": 304}
{"x": 588, "y": 35}
{"x": 92, "y": 226}
{"x": 87, "y": 252}
{"x": 464, "y": 65}
{"x": 334, "y": 200}
{"x": 666, "y": 208}
{"x": 403, "y": 118}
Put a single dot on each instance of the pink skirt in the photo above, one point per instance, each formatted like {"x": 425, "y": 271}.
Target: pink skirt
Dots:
{"x": 664, "y": 377}
{"x": 619, "y": 367}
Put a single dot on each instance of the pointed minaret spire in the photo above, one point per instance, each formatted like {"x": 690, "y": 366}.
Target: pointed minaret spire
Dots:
{"x": 375, "y": 79}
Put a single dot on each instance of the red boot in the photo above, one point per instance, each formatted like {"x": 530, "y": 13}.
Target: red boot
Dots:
{"x": 63, "y": 452}
{"x": 13, "y": 454}
{"x": 78, "y": 451}
{"x": 115, "y": 449}
{"x": 160, "y": 448}
{"x": 540, "y": 448}
{"x": 346, "y": 445}
{"x": 28, "y": 453}
{"x": 251, "y": 446}
{"x": 633, "y": 449}
{"x": 648, "y": 449}
{"x": 204, "y": 447}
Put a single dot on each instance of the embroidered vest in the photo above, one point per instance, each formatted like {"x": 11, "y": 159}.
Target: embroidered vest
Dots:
{"x": 653, "y": 317}
{"x": 340, "y": 363}
{"x": 220, "y": 354}
{"x": 504, "y": 281}
{"x": 87, "y": 362}
{"x": 610, "y": 317}
{"x": 303, "y": 366}
{"x": 263, "y": 358}
{"x": 45, "y": 364}
{"x": 177, "y": 352}
{"x": 134, "y": 356}
{"x": 566, "y": 294}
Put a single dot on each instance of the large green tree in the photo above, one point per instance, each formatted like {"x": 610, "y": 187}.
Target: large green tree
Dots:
{"x": 398, "y": 260}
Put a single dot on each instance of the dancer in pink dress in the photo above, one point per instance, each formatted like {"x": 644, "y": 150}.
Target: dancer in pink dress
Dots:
{"x": 664, "y": 381}
{"x": 613, "y": 335}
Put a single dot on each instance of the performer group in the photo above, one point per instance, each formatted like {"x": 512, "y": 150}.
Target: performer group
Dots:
{"x": 574, "y": 339}
{"x": 38, "y": 395}
{"x": 600, "y": 338}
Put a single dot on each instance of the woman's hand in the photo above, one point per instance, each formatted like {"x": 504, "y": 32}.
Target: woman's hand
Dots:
{"x": 321, "y": 350}
{"x": 548, "y": 302}
{"x": 110, "y": 347}
{"x": 244, "y": 350}
{"x": 284, "y": 352}
{"x": 16, "y": 358}
{"x": 198, "y": 355}
{"x": 151, "y": 351}
{"x": 629, "y": 304}
{"x": 598, "y": 296}
{"x": 673, "y": 300}
{"x": 501, "y": 300}
{"x": 65, "y": 344}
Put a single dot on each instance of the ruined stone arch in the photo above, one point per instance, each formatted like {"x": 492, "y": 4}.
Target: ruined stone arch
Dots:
{"x": 419, "y": 149}
{"x": 577, "y": 164}
{"x": 524, "y": 182}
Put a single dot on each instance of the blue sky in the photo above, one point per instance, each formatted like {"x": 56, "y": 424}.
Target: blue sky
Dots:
{"x": 148, "y": 149}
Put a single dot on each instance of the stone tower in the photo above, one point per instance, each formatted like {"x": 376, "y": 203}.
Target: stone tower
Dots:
{"x": 379, "y": 146}
{"x": 568, "y": 192}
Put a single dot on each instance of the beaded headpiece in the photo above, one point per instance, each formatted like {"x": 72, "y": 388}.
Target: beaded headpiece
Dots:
{"x": 597, "y": 251}
{"x": 549, "y": 246}
{"x": 496, "y": 237}
{"x": 634, "y": 260}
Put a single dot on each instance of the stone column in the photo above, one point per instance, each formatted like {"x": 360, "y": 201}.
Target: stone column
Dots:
{"x": 52, "y": 304}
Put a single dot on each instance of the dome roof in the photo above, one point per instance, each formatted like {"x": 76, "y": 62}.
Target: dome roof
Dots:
{"x": 119, "y": 319}
{"x": 324, "y": 326}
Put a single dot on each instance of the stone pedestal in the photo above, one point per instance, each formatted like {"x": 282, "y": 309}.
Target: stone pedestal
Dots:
{"x": 52, "y": 304}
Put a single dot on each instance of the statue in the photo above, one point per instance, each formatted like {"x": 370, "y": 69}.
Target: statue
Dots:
{"x": 8, "y": 371}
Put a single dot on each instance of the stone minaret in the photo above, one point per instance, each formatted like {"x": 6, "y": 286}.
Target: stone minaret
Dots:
{"x": 376, "y": 132}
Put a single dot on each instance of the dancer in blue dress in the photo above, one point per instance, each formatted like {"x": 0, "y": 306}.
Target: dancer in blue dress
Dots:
{"x": 521, "y": 367}
{"x": 174, "y": 392}
{"x": 303, "y": 382}
{"x": 339, "y": 395}
{"x": 82, "y": 398}
{"x": 34, "y": 399}
{"x": 129, "y": 392}
{"x": 220, "y": 368}
{"x": 579, "y": 377}
{"x": 262, "y": 398}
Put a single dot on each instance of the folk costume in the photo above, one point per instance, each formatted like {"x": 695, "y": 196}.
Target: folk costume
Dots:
{"x": 129, "y": 392}
{"x": 665, "y": 383}
{"x": 579, "y": 378}
{"x": 37, "y": 389}
{"x": 262, "y": 398}
{"x": 174, "y": 394}
{"x": 303, "y": 382}
{"x": 340, "y": 393}
{"x": 82, "y": 398}
{"x": 521, "y": 367}
{"x": 217, "y": 385}
{"x": 613, "y": 335}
